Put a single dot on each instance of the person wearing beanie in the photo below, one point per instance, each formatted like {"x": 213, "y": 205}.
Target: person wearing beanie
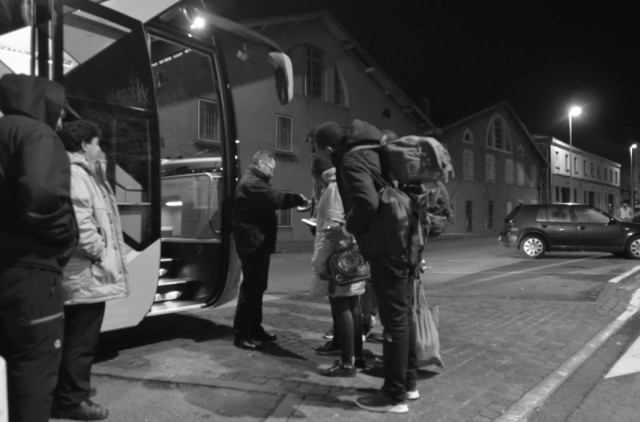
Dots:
{"x": 360, "y": 180}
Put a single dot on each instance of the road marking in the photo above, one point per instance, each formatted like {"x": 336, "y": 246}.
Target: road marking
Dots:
{"x": 624, "y": 275}
{"x": 629, "y": 363}
{"x": 520, "y": 411}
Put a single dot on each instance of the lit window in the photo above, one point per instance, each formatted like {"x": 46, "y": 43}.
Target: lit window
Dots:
{"x": 508, "y": 171}
{"x": 339, "y": 90}
{"x": 284, "y": 134}
{"x": 490, "y": 168}
{"x": 314, "y": 73}
{"x": 467, "y": 164}
{"x": 207, "y": 120}
{"x": 520, "y": 173}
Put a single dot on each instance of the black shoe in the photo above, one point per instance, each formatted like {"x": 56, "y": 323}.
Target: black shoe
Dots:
{"x": 85, "y": 411}
{"x": 340, "y": 369}
{"x": 360, "y": 363}
{"x": 328, "y": 349}
{"x": 243, "y": 342}
{"x": 263, "y": 336}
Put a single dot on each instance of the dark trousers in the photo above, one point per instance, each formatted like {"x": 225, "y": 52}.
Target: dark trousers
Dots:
{"x": 369, "y": 306}
{"x": 347, "y": 319}
{"x": 390, "y": 278}
{"x": 31, "y": 334}
{"x": 81, "y": 334}
{"x": 255, "y": 273}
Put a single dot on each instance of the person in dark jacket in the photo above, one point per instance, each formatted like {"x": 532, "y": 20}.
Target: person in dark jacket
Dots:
{"x": 255, "y": 227}
{"x": 359, "y": 181}
{"x": 38, "y": 232}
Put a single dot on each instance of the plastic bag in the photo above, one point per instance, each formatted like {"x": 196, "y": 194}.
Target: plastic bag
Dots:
{"x": 427, "y": 319}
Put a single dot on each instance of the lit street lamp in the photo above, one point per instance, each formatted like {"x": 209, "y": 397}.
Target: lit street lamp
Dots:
{"x": 574, "y": 111}
{"x": 631, "y": 148}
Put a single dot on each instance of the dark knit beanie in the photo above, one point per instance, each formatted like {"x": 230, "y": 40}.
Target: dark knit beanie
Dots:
{"x": 361, "y": 131}
{"x": 319, "y": 165}
{"x": 328, "y": 134}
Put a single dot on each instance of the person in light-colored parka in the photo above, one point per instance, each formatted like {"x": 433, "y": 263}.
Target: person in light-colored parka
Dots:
{"x": 95, "y": 273}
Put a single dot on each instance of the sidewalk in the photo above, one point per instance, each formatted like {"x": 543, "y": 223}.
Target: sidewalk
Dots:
{"x": 500, "y": 357}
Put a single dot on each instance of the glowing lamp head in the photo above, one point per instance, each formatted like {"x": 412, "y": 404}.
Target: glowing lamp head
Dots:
{"x": 575, "y": 111}
{"x": 198, "y": 23}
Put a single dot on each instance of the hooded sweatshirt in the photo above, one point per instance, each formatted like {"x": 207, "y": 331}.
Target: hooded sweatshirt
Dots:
{"x": 37, "y": 223}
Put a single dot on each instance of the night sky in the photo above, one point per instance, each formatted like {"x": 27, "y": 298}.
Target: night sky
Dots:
{"x": 540, "y": 56}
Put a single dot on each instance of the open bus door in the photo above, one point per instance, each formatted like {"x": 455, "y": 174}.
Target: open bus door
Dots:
{"x": 158, "y": 89}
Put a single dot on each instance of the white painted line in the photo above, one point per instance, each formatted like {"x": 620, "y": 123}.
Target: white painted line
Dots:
{"x": 624, "y": 275}
{"x": 629, "y": 363}
{"x": 520, "y": 411}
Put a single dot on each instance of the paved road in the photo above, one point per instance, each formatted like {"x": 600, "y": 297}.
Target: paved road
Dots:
{"x": 503, "y": 354}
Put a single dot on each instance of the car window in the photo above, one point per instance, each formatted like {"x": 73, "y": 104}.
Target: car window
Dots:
{"x": 558, "y": 215}
{"x": 589, "y": 215}
{"x": 542, "y": 215}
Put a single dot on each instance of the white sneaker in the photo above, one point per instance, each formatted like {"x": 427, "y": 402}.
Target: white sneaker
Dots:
{"x": 413, "y": 395}
{"x": 381, "y": 403}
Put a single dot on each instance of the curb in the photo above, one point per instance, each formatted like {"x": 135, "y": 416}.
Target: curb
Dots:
{"x": 535, "y": 398}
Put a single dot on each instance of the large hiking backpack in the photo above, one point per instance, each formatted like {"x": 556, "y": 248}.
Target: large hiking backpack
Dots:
{"x": 416, "y": 160}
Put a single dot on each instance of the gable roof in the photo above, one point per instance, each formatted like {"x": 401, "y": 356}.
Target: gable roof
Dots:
{"x": 371, "y": 68}
{"x": 489, "y": 110}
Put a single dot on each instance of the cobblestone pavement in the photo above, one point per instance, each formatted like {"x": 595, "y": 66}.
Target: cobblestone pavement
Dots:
{"x": 495, "y": 352}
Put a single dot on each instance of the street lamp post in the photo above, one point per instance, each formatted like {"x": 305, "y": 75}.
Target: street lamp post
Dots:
{"x": 573, "y": 111}
{"x": 631, "y": 148}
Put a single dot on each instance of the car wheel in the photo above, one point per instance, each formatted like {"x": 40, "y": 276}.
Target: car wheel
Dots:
{"x": 532, "y": 246}
{"x": 633, "y": 248}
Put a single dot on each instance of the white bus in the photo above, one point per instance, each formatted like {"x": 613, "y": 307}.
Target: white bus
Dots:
{"x": 152, "y": 74}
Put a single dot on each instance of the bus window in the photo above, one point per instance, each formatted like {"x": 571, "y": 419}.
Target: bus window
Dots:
{"x": 188, "y": 103}
{"x": 120, "y": 100}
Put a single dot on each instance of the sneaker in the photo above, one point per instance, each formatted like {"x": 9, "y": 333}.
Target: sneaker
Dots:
{"x": 328, "y": 349}
{"x": 381, "y": 403}
{"x": 413, "y": 394}
{"x": 85, "y": 411}
{"x": 328, "y": 334}
{"x": 340, "y": 369}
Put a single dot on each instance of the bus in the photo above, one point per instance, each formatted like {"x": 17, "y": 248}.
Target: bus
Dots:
{"x": 152, "y": 75}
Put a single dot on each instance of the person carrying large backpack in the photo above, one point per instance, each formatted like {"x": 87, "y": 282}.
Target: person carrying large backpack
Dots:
{"x": 360, "y": 180}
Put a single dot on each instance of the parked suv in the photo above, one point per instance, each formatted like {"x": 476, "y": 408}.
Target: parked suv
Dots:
{"x": 536, "y": 229}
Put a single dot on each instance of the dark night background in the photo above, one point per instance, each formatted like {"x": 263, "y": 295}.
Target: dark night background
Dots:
{"x": 542, "y": 57}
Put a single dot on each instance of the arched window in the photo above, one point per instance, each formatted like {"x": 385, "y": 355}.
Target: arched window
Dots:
{"x": 317, "y": 75}
{"x": 467, "y": 136}
{"x": 499, "y": 135}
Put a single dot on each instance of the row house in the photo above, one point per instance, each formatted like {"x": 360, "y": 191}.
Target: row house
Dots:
{"x": 579, "y": 176}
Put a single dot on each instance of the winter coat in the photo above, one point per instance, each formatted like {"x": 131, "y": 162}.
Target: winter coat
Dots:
{"x": 37, "y": 223}
{"x": 329, "y": 207}
{"x": 254, "y": 218}
{"x": 359, "y": 171}
{"x": 96, "y": 271}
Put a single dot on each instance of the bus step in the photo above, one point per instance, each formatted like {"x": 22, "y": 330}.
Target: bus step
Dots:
{"x": 174, "y": 281}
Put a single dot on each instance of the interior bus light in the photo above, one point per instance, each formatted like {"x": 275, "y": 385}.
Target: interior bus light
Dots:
{"x": 198, "y": 23}
{"x": 173, "y": 203}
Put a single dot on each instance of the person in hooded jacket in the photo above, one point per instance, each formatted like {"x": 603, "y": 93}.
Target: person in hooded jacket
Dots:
{"x": 255, "y": 227}
{"x": 344, "y": 299}
{"x": 38, "y": 232}
{"x": 360, "y": 179}
{"x": 95, "y": 273}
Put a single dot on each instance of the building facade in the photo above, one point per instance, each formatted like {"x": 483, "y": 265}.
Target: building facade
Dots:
{"x": 497, "y": 166}
{"x": 578, "y": 176}
{"x": 334, "y": 79}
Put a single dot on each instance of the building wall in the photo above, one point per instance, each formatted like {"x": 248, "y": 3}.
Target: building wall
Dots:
{"x": 257, "y": 107}
{"x": 481, "y": 197}
{"x": 595, "y": 179}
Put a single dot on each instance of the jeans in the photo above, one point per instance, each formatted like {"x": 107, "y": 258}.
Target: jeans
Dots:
{"x": 390, "y": 279}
